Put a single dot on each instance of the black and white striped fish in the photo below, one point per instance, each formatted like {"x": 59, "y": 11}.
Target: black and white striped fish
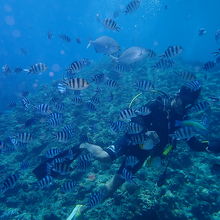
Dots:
{"x": 95, "y": 100}
{"x": 70, "y": 129}
{"x": 61, "y": 88}
{"x": 209, "y": 65}
{"x": 56, "y": 115}
{"x": 84, "y": 161}
{"x": 54, "y": 122}
{"x": 111, "y": 83}
{"x": 144, "y": 85}
{"x": 91, "y": 107}
{"x": 111, "y": 24}
{"x": 121, "y": 68}
{"x": 185, "y": 75}
{"x": 118, "y": 126}
{"x": 183, "y": 133}
{"x": 62, "y": 168}
{"x": 57, "y": 160}
{"x": 143, "y": 110}
{"x": 52, "y": 152}
{"x": 18, "y": 69}
{"x": 128, "y": 176}
{"x": 201, "y": 106}
{"x": 132, "y": 6}
{"x": 127, "y": 114}
{"x": 150, "y": 53}
{"x": 26, "y": 103}
{"x": 95, "y": 199}
{"x": 37, "y": 68}
{"x": 43, "y": 109}
{"x": 131, "y": 161}
{"x": 9, "y": 182}
{"x": 134, "y": 128}
{"x": 78, "y": 65}
{"x": 172, "y": 51}
{"x": 45, "y": 182}
{"x": 6, "y": 69}
{"x": 163, "y": 64}
{"x": 137, "y": 139}
{"x": 193, "y": 85}
{"x": 76, "y": 83}
{"x": 68, "y": 186}
{"x": 77, "y": 100}
{"x": 59, "y": 107}
{"x": 24, "y": 137}
{"x": 62, "y": 136}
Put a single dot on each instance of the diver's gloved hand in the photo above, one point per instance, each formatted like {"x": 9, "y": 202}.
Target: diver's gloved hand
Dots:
{"x": 198, "y": 145}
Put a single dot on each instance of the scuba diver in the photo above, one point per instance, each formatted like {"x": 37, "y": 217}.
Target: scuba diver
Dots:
{"x": 159, "y": 127}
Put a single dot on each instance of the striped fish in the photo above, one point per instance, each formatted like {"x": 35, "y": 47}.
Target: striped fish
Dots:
{"x": 127, "y": 114}
{"x": 144, "y": 85}
{"x": 65, "y": 38}
{"x": 131, "y": 161}
{"x": 209, "y": 65}
{"x": 128, "y": 176}
{"x": 118, "y": 126}
{"x": 43, "y": 108}
{"x": 150, "y": 53}
{"x": 183, "y": 133}
{"x": 78, "y": 65}
{"x": 24, "y": 137}
{"x": 172, "y": 51}
{"x": 201, "y": 106}
{"x": 95, "y": 199}
{"x": 76, "y": 83}
{"x": 54, "y": 122}
{"x": 52, "y": 152}
{"x": 134, "y": 128}
{"x": 163, "y": 64}
{"x": 62, "y": 168}
{"x": 37, "y": 68}
{"x": 59, "y": 107}
{"x": 111, "y": 83}
{"x": 143, "y": 110}
{"x": 185, "y": 75}
{"x": 6, "y": 69}
{"x": 9, "y": 182}
{"x": 45, "y": 182}
{"x": 98, "y": 78}
{"x": 61, "y": 88}
{"x": 91, "y": 106}
{"x": 132, "y": 6}
{"x": 137, "y": 139}
{"x": 57, "y": 160}
{"x": 193, "y": 85}
{"x": 111, "y": 24}
{"x": 121, "y": 68}
{"x": 95, "y": 100}
{"x": 84, "y": 161}
{"x": 56, "y": 115}
{"x": 62, "y": 136}
{"x": 70, "y": 129}
{"x": 26, "y": 103}
{"x": 68, "y": 186}
{"x": 77, "y": 100}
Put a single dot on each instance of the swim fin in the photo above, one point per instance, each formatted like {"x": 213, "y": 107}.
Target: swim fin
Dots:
{"x": 75, "y": 213}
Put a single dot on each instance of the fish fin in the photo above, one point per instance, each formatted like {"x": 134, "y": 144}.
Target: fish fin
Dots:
{"x": 114, "y": 58}
{"x": 89, "y": 44}
{"x": 26, "y": 70}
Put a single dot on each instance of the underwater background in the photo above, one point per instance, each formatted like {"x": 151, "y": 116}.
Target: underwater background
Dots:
{"x": 38, "y": 42}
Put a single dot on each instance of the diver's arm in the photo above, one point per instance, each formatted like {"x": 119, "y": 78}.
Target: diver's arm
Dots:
{"x": 96, "y": 151}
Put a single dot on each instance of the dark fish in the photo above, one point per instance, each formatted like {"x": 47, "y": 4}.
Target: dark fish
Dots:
{"x": 118, "y": 126}
{"x": 49, "y": 35}
{"x": 127, "y": 114}
{"x": 56, "y": 115}
{"x": 134, "y": 128}
{"x": 30, "y": 122}
{"x": 25, "y": 93}
{"x": 95, "y": 199}
{"x": 78, "y": 65}
{"x": 132, "y": 6}
{"x": 163, "y": 64}
{"x": 202, "y": 31}
{"x": 201, "y": 106}
{"x": 65, "y": 38}
{"x": 111, "y": 83}
{"x": 121, "y": 68}
{"x": 77, "y": 100}
{"x": 128, "y": 176}
{"x": 143, "y": 110}
{"x": 24, "y": 137}
{"x": 91, "y": 106}
{"x": 150, "y": 53}
{"x": 185, "y": 75}
{"x": 98, "y": 78}
{"x": 68, "y": 186}
{"x": 45, "y": 182}
{"x": 61, "y": 88}
{"x": 26, "y": 103}
{"x": 2, "y": 146}
{"x": 59, "y": 107}
{"x": 62, "y": 168}
{"x": 37, "y": 68}
{"x": 183, "y": 133}
{"x": 78, "y": 40}
{"x": 95, "y": 100}
{"x": 193, "y": 85}
{"x": 84, "y": 161}
{"x": 18, "y": 70}
{"x": 111, "y": 24}
{"x": 76, "y": 83}
{"x": 52, "y": 152}
{"x": 62, "y": 136}
{"x": 144, "y": 85}
{"x": 209, "y": 65}
{"x": 172, "y": 51}
{"x": 131, "y": 161}
{"x": 9, "y": 182}
{"x": 70, "y": 129}
{"x": 57, "y": 160}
